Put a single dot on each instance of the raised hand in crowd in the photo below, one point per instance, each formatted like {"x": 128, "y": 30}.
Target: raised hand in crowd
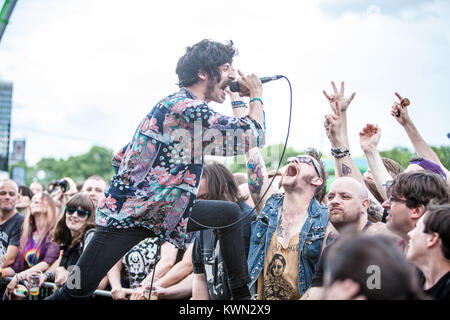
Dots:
{"x": 400, "y": 112}
{"x": 336, "y": 130}
{"x": 369, "y": 138}
{"x": 339, "y": 101}
{"x": 336, "y": 133}
{"x": 333, "y": 124}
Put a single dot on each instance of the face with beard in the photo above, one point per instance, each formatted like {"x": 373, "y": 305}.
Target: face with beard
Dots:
{"x": 299, "y": 174}
{"x": 347, "y": 201}
{"x": 215, "y": 88}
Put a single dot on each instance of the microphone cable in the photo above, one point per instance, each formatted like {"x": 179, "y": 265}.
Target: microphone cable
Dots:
{"x": 273, "y": 178}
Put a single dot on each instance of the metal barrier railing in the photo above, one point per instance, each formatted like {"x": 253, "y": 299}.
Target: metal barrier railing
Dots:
{"x": 51, "y": 285}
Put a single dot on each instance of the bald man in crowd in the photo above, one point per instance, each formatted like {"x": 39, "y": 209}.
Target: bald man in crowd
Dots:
{"x": 348, "y": 202}
{"x": 10, "y": 222}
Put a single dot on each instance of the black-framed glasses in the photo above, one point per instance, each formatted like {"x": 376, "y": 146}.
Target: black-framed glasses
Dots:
{"x": 79, "y": 212}
{"x": 395, "y": 199}
{"x": 306, "y": 160}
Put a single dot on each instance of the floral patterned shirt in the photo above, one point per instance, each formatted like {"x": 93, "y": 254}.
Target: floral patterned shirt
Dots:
{"x": 158, "y": 172}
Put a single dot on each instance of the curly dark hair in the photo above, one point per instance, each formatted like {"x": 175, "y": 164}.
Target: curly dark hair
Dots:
{"x": 206, "y": 56}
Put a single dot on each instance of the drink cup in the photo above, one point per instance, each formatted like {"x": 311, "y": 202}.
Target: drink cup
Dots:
{"x": 33, "y": 278}
{"x": 150, "y": 294}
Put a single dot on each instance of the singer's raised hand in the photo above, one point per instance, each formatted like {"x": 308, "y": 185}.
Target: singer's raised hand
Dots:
{"x": 250, "y": 85}
{"x": 339, "y": 98}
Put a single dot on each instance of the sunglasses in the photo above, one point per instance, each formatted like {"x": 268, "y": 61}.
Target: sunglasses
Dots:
{"x": 305, "y": 160}
{"x": 80, "y": 213}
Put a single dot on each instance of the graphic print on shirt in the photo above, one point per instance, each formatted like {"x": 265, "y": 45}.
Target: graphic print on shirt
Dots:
{"x": 275, "y": 286}
{"x": 3, "y": 242}
{"x": 214, "y": 271}
{"x": 32, "y": 257}
{"x": 139, "y": 261}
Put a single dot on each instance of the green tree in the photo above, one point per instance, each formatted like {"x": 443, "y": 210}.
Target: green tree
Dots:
{"x": 402, "y": 155}
{"x": 97, "y": 161}
{"x": 443, "y": 153}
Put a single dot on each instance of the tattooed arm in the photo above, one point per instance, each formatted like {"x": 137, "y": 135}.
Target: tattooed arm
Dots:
{"x": 258, "y": 180}
{"x": 344, "y": 166}
{"x": 375, "y": 211}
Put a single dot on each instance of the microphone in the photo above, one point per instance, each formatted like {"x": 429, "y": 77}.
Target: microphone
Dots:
{"x": 234, "y": 86}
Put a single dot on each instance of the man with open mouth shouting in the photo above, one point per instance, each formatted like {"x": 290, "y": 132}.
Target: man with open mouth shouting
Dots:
{"x": 289, "y": 233}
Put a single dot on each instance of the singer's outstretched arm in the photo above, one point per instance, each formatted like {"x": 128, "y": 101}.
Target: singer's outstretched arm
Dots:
{"x": 258, "y": 179}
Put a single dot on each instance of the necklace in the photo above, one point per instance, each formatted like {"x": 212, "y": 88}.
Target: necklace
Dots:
{"x": 35, "y": 236}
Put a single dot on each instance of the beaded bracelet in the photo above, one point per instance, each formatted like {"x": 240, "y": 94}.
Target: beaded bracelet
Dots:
{"x": 340, "y": 152}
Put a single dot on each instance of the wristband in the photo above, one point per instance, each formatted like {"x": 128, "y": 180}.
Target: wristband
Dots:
{"x": 256, "y": 99}
{"x": 237, "y": 103}
{"x": 2, "y": 274}
{"x": 49, "y": 276}
{"x": 340, "y": 152}
{"x": 237, "y": 106}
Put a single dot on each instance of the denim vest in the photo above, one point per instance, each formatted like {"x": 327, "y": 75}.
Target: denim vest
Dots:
{"x": 310, "y": 239}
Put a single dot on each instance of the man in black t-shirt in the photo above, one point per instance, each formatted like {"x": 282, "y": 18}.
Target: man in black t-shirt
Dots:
{"x": 10, "y": 222}
{"x": 210, "y": 277}
{"x": 207, "y": 260}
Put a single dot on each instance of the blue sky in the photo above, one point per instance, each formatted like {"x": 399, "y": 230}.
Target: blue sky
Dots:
{"x": 86, "y": 72}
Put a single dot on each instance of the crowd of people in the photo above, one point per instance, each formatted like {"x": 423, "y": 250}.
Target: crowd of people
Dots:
{"x": 381, "y": 234}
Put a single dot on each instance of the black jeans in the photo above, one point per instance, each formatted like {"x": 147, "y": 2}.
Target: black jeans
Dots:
{"x": 108, "y": 245}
